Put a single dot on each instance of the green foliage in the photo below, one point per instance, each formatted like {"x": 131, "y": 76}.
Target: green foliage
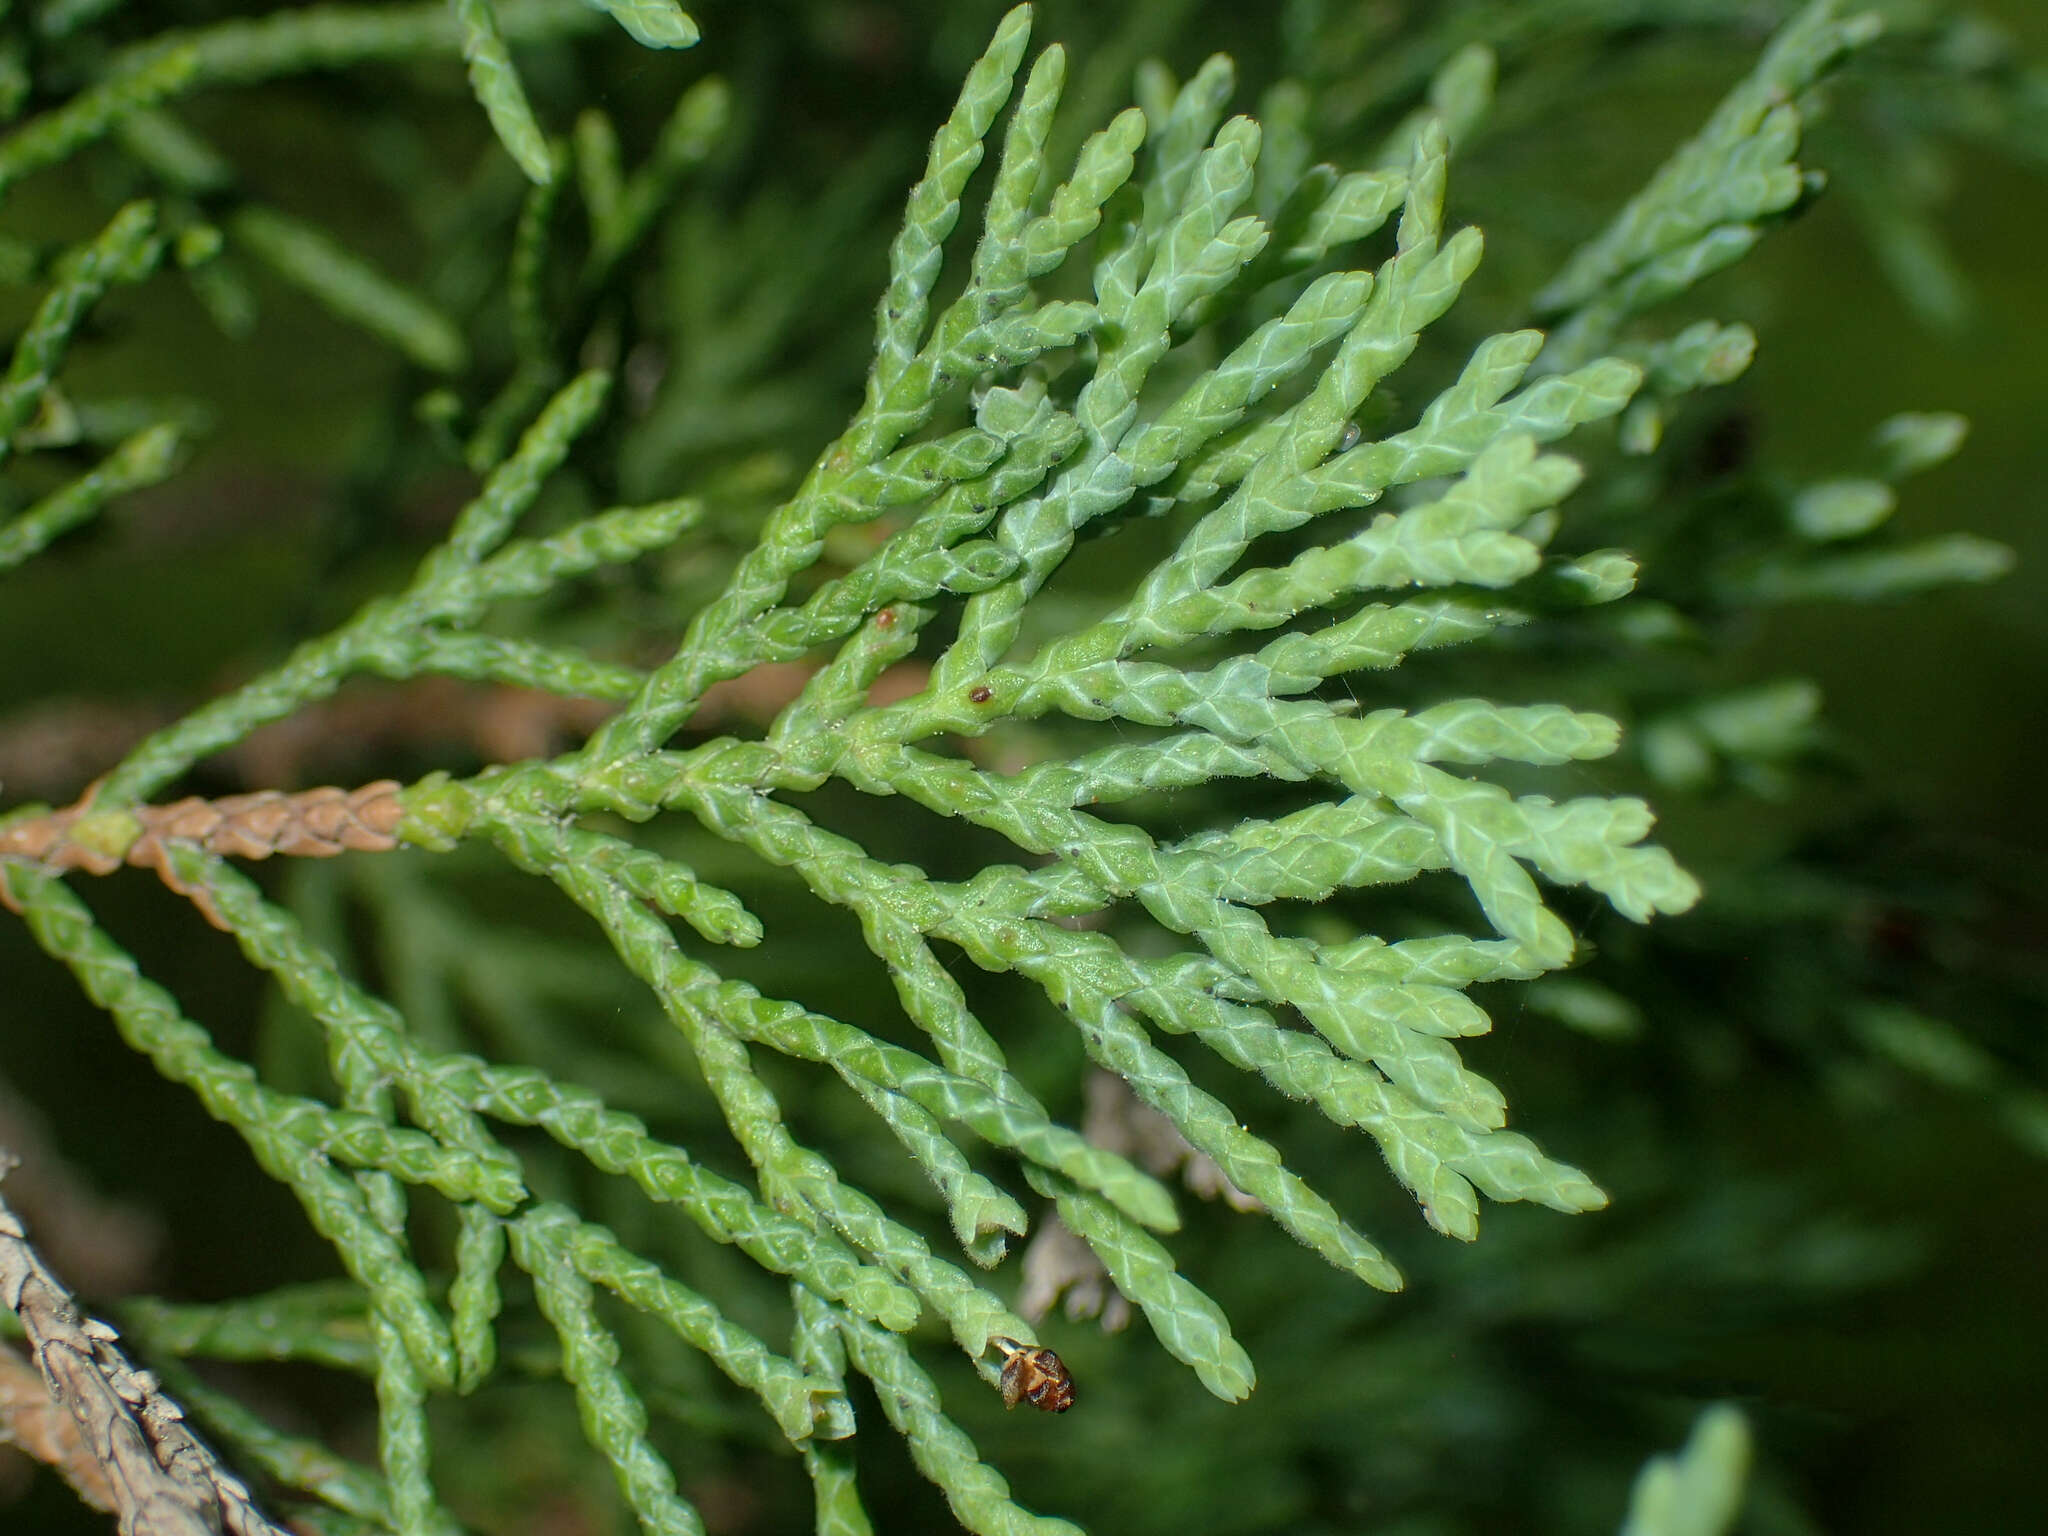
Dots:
{"x": 1698, "y": 1491}
{"x": 1217, "y": 798}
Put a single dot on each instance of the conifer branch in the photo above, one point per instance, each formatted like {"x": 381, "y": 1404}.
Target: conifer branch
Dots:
{"x": 155, "y": 1473}
{"x": 1160, "y": 338}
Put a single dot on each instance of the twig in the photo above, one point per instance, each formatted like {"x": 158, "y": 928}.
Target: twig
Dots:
{"x": 162, "y": 1480}
{"x": 314, "y": 823}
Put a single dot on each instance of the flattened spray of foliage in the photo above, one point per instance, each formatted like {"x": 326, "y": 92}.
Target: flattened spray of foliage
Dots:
{"x": 1182, "y": 793}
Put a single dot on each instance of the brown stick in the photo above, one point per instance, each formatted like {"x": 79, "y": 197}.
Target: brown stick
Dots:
{"x": 161, "y": 1479}
{"x": 313, "y": 823}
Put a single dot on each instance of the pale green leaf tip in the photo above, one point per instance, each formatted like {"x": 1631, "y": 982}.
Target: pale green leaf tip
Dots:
{"x": 652, "y": 23}
{"x": 1699, "y": 1491}
{"x": 1231, "y": 1376}
{"x": 1582, "y": 1194}
{"x": 1012, "y": 33}
{"x": 1914, "y": 441}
